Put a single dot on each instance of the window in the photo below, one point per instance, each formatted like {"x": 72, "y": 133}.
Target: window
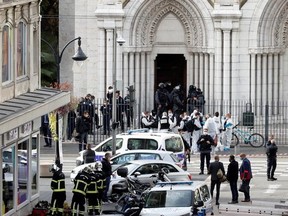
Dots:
{"x": 149, "y": 144}
{"x": 6, "y": 54}
{"x": 21, "y": 49}
{"x": 124, "y": 158}
{"x": 171, "y": 198}
{"x": 148, "y": 156}
{"x": 108, "y": 145}
{"x": 148, "y": 169}
{"x": 23, "y": 166}
{"x": 8, "y": 167}
{"x": 174, "y": 144}
{"x": 169, "y": 167}
{"x": 205, "y": 194}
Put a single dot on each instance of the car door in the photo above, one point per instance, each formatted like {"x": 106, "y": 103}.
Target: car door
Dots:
{"x": 146, "y": 171}
{"x": 121, "y": 159}
{"x": 174, "y": 174}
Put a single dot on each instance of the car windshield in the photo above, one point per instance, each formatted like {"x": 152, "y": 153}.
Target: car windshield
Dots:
{"x": 174, "y": 144}
{"x": 174, "y": 158}
{"x": 170, "y": 198}
{"x": 130, "y": 166}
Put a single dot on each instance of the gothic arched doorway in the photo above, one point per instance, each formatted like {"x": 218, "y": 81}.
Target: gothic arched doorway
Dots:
{"x": 171, "y": 68}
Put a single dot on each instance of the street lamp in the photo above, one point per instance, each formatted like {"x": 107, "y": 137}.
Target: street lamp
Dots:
{"x": 79, "y": 56}
{"x": 120, "y": 41}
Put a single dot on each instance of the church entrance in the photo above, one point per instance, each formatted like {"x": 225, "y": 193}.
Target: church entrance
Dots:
{"x": 171, "y": 68}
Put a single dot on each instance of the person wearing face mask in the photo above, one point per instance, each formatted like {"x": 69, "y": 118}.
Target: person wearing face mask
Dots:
{"x": 197, "y": 131}
{"x": 172, "y": 122}
{"x": 245, "y": 175}
{"x": 146, "y": 120}
{"x": 204, "y": 145}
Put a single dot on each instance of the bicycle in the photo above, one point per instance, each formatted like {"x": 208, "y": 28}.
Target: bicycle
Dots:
{"x": 256, "y": 140}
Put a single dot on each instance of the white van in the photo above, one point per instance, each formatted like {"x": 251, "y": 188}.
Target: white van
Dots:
{"x": 134, "y": 141}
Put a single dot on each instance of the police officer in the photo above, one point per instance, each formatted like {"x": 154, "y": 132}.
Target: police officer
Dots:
{"x": 81, "y": 182}
{"x": 163, "y": 124}
{"x": 161, "y": 99}
{"x": 101, "y": 183}
{"x": 92, "y": 195}
{"x": 58, "y": 188}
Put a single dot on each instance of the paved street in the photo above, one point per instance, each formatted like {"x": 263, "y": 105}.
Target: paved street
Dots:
{"x": 265, "y": 195}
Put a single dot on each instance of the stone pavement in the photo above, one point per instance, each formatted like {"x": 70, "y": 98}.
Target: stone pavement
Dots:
{"x": 70, "y": 150}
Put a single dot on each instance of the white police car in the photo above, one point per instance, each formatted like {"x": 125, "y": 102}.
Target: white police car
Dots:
{"x": 139, "y": 140}
{"x": 178, "y": 198}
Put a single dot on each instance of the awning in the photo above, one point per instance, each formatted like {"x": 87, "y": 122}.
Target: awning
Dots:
{"x": 29, "y": 106}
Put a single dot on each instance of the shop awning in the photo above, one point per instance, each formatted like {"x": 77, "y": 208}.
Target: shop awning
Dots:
{"x": 29, "y": 106}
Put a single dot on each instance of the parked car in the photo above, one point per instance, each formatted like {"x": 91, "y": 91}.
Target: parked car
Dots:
{"x": 144, "y": 169}
{"x": 127, "y": 156}
{"x": 7, "y": 160}
{"x": 136, "y": 141}
{"x": 178, "y": 198}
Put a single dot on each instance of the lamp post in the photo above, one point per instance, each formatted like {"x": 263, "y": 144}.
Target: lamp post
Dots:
{"x": 120, "y": 41}
{"x": 79, "y": 56}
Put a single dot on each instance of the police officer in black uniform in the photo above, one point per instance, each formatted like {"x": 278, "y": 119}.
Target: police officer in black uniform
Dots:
{"x": 58, "y": 188}
{"x": 81, "y": 182}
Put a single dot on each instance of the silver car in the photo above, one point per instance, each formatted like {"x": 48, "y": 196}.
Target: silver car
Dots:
{"x": 147, "y": 168}
{"x": 127, "y": 156}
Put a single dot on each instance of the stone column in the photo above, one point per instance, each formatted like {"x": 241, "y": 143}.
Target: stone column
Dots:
{"x": 264, "y": 79}
{"x": 218, "y": 89}
{"x": 131, "y": 69}
{"x": 143, "y": 82}
{"x": 211, "y": 77}
{"x": 196, "y": 70}
{"x": 150, "y": 83}
{"x": 201, "y": 71}
{"x": 253, "y": 78}
{"x": 276, "y": 81}
{"x": 259, "y": 84}
{"x": 206, "y": 82}
{"x": 137, "y": 83}
{"x": 270, "y": 78}
{"x": 191, "y": 71}
{"x": 101, "y": 85}
{"x": 226, "y": 65}
{"x": 125, "y": 76}
{"x": 109, "y": 56}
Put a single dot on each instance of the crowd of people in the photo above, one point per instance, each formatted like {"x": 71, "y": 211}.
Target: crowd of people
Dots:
{"x": 90, "y": 189}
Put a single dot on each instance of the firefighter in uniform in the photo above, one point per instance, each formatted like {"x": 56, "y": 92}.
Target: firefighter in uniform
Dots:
{"x": 59, "y": 192}
{"x": 81, "y": 182}
{"x": 92, "y": 195}
{"x": 101, "y": 182}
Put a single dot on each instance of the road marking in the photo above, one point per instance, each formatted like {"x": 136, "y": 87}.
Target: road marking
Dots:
{"x": 272, "y": 188}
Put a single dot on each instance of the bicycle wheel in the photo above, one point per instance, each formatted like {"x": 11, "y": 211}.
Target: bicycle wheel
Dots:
{"x": 234, "y": 140}
{"x": 256, "y": 140}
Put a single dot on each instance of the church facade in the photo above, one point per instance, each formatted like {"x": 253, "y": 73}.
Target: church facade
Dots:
{"x": 230, "y": 49}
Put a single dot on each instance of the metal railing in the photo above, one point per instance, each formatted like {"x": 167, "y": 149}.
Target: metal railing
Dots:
{"x": 265, "y": 118}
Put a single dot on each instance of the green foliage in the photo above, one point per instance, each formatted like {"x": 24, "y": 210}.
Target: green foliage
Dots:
{"x": 49, "y": 32}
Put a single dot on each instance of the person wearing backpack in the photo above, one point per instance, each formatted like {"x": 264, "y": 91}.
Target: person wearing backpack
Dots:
{"x": 183, "y": 127}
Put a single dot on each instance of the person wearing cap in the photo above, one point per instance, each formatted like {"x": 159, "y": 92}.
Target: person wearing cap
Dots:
{"x": 204, "y": 145}
{"x": 245, "y": 175}
{"x": 59, "y": 192}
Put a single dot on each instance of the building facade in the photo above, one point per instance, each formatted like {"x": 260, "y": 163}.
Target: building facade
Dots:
{"x": 22, "y": 103}
{"x": 231, "y": 49}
